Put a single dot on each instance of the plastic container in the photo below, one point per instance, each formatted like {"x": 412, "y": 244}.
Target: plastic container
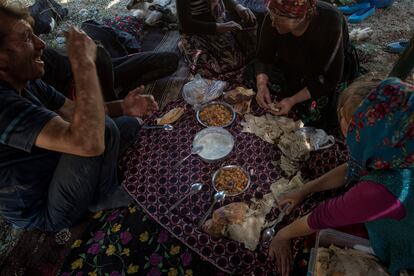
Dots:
{"x": 343, "y": 240}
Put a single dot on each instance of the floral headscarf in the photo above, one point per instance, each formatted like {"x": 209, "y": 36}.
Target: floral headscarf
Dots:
{"x": 381, "y": 132}
{"x": 292, "y": 8}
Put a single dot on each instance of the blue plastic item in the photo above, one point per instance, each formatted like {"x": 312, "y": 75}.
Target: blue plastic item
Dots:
{"x": 361, "y": 15}
{"x": 350, "y": 9}
{"x": 379, "y": 4}
{"x": 397, "y": 47}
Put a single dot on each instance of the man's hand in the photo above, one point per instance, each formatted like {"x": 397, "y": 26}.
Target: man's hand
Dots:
{"x": 230, "y": 26}
{"x": 280, "y": 251}
{"x": 294, "y": 198}
{"x": 137, "y": 105}
{"x": 80, "y": 47}
{"x": 245, "y": 13}
{"x": 284, "y": 106}
{"x": 263, "y": 96}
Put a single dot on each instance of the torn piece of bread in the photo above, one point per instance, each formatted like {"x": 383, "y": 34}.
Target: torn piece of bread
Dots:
{"x": 240, "y": 98}
{"x": 274, "y": 108}
{"x": 239, "y": 95}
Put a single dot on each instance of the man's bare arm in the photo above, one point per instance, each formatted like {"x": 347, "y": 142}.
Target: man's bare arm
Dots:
{"x": 67, "y": 110}
{"x": 84, "y": 134}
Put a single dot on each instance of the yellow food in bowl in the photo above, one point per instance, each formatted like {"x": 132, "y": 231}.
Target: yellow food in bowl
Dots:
{"x": 231, "y": 180}
{"x": 216, "y": 115}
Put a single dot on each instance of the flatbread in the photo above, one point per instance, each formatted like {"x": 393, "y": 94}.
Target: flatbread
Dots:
{"x": 269, "y": 127}
{"x": 273, "y": 107}
{"x": 346, "y": 261}
{"x": 283, "y": 186}
{"x": 294, "y": 146}
{"x": 171, "y": 116}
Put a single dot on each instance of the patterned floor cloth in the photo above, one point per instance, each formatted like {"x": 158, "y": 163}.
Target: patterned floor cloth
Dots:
{"x": 150, "y": 179}
{"x": 126, "y": 241}
{"x": 40, "y": 253}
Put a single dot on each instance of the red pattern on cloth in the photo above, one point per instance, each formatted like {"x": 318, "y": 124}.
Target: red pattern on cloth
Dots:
{"x": 152, "y": 182}
{"x": 293, "y": 8}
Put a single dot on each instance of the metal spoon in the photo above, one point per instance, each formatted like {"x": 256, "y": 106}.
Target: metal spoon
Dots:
{"x": 196, "y": 187}
{"x": 194, "y": 150}
{"x": 219, "y": 196}
{"x": 165, "y": 127}
{"x": 269, "y": 232}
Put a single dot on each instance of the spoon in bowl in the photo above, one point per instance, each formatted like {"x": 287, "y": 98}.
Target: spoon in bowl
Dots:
{"x": 196, "y": 187}
{"x": 219, "y": 196}
{"x": 194, "y": 150}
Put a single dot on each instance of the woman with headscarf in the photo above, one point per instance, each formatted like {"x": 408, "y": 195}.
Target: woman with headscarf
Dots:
{"x": 208, "y": 37}
{"x": 305, "y": 39}
{"x": 378, "y": 124}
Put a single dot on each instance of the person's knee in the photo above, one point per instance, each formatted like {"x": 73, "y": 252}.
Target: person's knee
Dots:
{"x": 129, "y": 128}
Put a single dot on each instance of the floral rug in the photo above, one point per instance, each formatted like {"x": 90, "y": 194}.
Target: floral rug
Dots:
{"x": 125, "y": 241}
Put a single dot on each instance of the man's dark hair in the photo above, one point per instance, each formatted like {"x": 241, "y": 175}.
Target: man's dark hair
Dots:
{"x": 7, "y": 12}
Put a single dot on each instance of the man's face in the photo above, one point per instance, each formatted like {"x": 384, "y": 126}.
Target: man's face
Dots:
{"x": 23, "y": 50}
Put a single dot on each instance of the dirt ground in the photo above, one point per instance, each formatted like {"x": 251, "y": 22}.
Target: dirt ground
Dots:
{"x": 388, "y": 25}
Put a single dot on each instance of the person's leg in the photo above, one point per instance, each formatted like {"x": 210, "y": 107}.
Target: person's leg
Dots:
{"x": 142, "y": 68}
{"x": 78, "y": 182}
{"x": 129, "y": 128}
{"x": 105, "y": 71}
{"x": 58, "y": 72}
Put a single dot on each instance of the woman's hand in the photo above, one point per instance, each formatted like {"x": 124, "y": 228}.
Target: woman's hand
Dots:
{"x": 294, "y": 198}
{"x": 229, "y": 26}
{"x": 263, "y": 96}
{"x": 280, "y": 251}
{"x": 137, "y": 105}
{"x": 245, "y": 13}
{"x": 284, "y": 106}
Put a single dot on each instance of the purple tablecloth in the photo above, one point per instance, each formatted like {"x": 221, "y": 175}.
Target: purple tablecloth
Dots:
{"x": 155, "y": 185}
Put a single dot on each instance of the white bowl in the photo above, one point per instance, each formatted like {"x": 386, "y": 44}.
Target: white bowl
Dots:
{"x": 217, "y": 143}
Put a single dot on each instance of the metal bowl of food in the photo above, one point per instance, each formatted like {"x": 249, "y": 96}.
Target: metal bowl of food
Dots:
{"x": 216, "y": 114}
{"x": 217, "y": 143}
{"x": 231, "y": 179}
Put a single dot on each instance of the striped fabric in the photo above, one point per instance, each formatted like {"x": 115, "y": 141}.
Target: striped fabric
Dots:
{"x": 199, "y": 7}
{"x": 23, "y": 117}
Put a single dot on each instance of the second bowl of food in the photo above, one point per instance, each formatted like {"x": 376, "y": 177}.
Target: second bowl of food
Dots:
{"x": 231, "y": 179}
{"x": 216, "y": 114}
